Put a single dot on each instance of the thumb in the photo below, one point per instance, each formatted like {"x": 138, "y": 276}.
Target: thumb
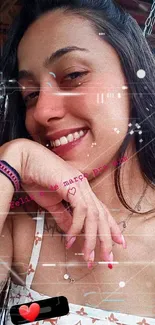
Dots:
{"x": 61, "y": 215}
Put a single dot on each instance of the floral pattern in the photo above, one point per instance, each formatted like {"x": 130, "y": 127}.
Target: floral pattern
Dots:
{"x": 81, "y": 312}
{"x": 30, "y": 269}
{"x": 143, "y": 322}
{"x": 78, "y": 315}
{"x": 112, "y": 318}
{"x": 37, "y": 238}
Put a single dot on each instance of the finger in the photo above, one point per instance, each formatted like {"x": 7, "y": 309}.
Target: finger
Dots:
{"x": 105, "y": 238}
{"x": 62, "y": 216}
{"x": 104, "y": 231}
{"x": 116, "y": 233}
{"x": 84, "y": 218}
{"x": 79, "y": 215}
{"x": 91, "y": 225}
{"x": 115, "y": 230}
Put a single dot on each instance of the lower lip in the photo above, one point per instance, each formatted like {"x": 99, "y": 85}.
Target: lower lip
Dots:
{"x": 61, "y": 150}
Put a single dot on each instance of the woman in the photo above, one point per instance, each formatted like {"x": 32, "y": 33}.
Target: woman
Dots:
{"x": 85, "y": 74}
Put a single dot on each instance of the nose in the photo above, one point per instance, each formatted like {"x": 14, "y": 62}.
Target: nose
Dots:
{"x": 50, "y": 105}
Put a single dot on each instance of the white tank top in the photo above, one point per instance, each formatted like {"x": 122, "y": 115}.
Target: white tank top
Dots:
{"x": 78, "y": 315}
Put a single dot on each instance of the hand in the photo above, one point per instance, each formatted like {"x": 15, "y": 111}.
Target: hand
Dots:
{"x": 88, "y": 211}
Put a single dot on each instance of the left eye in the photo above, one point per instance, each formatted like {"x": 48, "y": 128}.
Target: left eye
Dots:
{"x": 75, "y": 75}
{"x": 71, "y": 80}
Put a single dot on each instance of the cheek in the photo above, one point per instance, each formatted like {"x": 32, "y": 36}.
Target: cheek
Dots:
{"x": 107, "y": 115}
{"x": 100, "y": 105}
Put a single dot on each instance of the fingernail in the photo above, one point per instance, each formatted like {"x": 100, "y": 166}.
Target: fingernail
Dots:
{"x": 124, "y": 242}
{"x": 109, "y": 257}
{"x": 90, "y": 264}
{"x": 91, "y": 260}
{"x": 91, "y": 256}
{"x": 70, "y": 242}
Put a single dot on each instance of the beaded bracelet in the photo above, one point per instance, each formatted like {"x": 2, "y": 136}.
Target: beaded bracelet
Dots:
{"x": 11, "y": 174}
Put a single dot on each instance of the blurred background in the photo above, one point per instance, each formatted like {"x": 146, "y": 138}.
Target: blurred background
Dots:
{"x": 138, "y": 9}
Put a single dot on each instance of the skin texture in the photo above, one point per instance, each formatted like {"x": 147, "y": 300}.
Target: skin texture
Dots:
{"x": 48, "y": 113}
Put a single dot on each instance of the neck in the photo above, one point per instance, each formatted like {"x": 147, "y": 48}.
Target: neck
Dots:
{"x": 132, "y": 184}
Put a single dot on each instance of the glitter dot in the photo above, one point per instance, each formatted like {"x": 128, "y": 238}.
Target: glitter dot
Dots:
{"x": 122, "y": 284}
{"x": 124, "y": 87}
{"x": 66, "y": 276}
{"x": 141, "y": 74}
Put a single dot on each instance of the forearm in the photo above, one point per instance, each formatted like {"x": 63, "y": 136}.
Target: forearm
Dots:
{"x": 8, "y": 153}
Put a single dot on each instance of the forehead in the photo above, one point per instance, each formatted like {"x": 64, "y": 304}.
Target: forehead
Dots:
{"x": 55, "y": 30}
{"x": 52, "y": 31}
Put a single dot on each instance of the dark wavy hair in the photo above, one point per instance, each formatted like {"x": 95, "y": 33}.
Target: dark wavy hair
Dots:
{"x": 126, "y": 37}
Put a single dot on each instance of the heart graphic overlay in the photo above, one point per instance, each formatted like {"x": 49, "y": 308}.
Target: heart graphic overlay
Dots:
{"x": 39, "y": 310}
{"x": 72, "y": 191}
{"x": 29, "y": 313}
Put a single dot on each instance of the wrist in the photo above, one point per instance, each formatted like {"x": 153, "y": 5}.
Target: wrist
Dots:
{"x": 11, "y": 152}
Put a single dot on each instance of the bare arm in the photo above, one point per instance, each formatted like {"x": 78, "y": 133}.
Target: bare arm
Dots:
{"x": 40, "y": 169}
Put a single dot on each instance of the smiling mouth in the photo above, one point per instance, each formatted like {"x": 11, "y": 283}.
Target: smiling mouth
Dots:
{"x": 71, "y": 137}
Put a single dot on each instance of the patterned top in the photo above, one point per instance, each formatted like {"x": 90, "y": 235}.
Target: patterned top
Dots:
{"x": 78, "y": 315}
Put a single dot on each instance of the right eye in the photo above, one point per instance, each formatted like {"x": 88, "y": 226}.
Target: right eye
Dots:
{"x": 31, "y": 98}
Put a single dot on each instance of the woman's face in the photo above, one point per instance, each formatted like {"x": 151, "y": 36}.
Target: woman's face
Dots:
{"x": 73, "y": 81}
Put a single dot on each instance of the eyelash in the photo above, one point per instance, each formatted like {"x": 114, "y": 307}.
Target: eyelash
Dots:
{"x": 80, "y": 75}
{"x": 28, "y": 97}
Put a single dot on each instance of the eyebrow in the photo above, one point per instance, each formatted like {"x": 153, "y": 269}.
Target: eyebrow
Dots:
{"x": 24, "y": 74}
{"x": 59, "y": 53}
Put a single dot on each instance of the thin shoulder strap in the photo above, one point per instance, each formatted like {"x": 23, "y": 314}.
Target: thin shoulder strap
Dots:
{"x": 36, "y": 248}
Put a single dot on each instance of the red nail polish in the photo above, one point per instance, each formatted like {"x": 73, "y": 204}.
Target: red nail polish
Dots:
{"x": 90, "y": 265}
{"x": 110, "y": 266}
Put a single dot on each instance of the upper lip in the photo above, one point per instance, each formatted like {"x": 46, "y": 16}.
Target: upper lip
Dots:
{"x": 59, "y": 134}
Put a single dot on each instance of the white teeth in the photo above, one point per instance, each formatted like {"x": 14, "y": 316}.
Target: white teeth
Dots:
{"x": 81, "y": 133}
{"x": 66, "y": 139}
{"x": 70, "y": 137}
{"x": 57, "y": 143}
{"x": 76, "y": 135}
{"x": 63, "y": 140}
